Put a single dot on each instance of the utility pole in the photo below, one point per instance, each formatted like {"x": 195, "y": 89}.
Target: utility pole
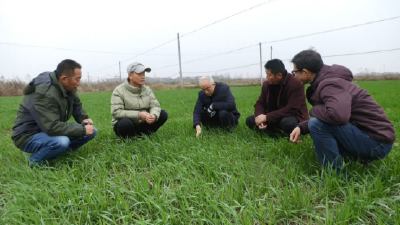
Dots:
{"x": 120, "y": 71}
{"x": 180, "y": 65}
{"x": 271, "y": 52}
{"x": 261, "y": 70}
{"x": 88, "y": 80}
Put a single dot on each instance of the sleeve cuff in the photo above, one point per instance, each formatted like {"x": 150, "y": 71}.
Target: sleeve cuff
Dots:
{"x": 301, "y": 128}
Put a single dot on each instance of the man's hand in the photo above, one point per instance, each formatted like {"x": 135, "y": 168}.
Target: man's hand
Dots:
{"x": 89, "y": 129}
{"x": 260, "y": 119}
{"x": 87, "y": 121}
{"x": 211, "y": 111}
{"x": 150, "y": 119}
{"x": 262, "y": 126}
{"x": 198, "y": 129}
{"x": 295, "y": 135}
{"x": 143, "y": 115}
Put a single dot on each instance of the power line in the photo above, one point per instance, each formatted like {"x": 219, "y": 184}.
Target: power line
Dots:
{"x": 226, "y": 18}
{"x": 191, "y": 33}
{"x": 327, "y": 31}
{"x": 80, "y": 50}
{"x": 328, "y": 56}
{"x": 64, "y": 49}
{"x": 363, "y": 53}
{"x": 285, "y": 39}
{"x": 357, "y": 53}
{"x": 127, "y": 53}
{"x": 83, "y": 50}
{"x": 174, "y": 74}
{"x": 149, "y": 50}
{"x": 104, "y": 68}
{"x": 133, "y": 56}
{"x": 227, "y": 68}
{"x": 224, "y": 53}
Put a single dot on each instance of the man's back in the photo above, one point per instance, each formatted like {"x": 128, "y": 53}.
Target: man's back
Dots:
{"x": 338, "y": 101}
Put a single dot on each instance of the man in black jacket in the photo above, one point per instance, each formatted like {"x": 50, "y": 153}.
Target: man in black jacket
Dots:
{"x": 215, "y": 106}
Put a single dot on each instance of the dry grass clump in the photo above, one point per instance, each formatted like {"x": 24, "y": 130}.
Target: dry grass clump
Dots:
{"x": 98, "y": 87}
{"x": 11, "y": 88}
{"x": 377, "y": 78}
{"x": 164, "y": 86}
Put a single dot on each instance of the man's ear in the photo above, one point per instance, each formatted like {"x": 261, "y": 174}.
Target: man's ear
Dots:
{"x": 63, "y": 79}
{"x": 307, "y": 72}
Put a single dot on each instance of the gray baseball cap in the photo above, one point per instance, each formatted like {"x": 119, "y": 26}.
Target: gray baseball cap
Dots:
{"x": 137, "y": 68}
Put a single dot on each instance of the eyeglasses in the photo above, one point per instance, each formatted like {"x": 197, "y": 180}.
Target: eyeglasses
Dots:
{"x": 295, "y": 71}
{"x": 206, "y": 89}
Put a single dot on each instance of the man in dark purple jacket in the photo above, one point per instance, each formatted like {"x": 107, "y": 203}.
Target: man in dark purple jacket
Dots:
{"x": 346, "y": 121}
{"x": 282, "y": 102}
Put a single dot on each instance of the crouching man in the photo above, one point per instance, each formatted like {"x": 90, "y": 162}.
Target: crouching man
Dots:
{"x": 282, "y": 102}
{"x": 215, "y": 106}
{"x": 134, "y": 108}
{"x": 49, "y": 101}
{"x": 346, "y": 121}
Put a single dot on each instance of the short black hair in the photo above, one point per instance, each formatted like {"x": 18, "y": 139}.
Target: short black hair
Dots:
{"x": 308, "y": 59}
{"x": 276, "y": 66}
{"x": 67, "y": 67}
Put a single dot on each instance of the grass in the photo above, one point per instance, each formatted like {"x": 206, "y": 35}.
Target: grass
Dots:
{"x": 240, "y": 177}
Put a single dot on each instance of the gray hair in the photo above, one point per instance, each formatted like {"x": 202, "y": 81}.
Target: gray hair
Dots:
{"x": 206, "y": 78}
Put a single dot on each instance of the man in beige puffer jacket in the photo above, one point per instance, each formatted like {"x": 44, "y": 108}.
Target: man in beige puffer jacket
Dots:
{"x": 134, "y": 107}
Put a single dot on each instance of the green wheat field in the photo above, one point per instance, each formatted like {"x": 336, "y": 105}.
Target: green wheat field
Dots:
{"x": 241, "y": 177}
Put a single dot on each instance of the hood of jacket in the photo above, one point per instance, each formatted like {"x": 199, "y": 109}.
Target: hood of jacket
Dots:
{"x": 334, "y": 71}
{"x": 44, "y": 79}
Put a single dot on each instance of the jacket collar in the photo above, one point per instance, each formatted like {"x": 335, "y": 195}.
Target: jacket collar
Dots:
{"x": 216, "y": 90}
{"x": 285, "y": 78}
{"x": 283, "y": 81}
{"x": 57, "y": 84}
{"x": 132, "y": 89}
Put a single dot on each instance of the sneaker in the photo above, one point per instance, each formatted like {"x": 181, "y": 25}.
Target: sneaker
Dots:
{"x": 33, "y": 164}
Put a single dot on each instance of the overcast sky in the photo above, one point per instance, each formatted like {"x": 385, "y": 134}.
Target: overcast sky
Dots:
{"x": 100, "y": 34}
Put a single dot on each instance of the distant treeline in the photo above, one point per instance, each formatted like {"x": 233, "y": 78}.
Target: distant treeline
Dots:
{"x": 15, "y": 87}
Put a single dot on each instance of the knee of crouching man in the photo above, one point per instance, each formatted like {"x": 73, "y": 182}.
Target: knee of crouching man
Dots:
{"x": 314, "y": 124}
{"x": 62, "y": 142}
{"x": 223, "y": 113}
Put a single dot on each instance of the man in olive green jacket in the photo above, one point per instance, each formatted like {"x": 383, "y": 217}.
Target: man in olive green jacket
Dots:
{"x": 41, "y": 124}
{"x": 134, "y": 107}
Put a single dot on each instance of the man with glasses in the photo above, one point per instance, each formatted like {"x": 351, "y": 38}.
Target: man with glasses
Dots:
{"x": 215, "y": 106}
{"x": 282, "y": 102}
{"x": 346, "y": 123}
{"x": 134, "y": 107}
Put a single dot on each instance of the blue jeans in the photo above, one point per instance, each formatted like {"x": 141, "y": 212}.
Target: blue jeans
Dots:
{"x": 334, "y": 143}
{"x": 45, "y": 147}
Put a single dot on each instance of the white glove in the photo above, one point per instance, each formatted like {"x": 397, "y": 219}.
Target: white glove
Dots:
{"x": 210, "y": 111}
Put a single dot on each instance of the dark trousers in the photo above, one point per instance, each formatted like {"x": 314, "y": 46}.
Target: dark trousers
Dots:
{"x": 222, "y": 119}
{"x": 126, "y": 128}
{"x": 286, "y": 124}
